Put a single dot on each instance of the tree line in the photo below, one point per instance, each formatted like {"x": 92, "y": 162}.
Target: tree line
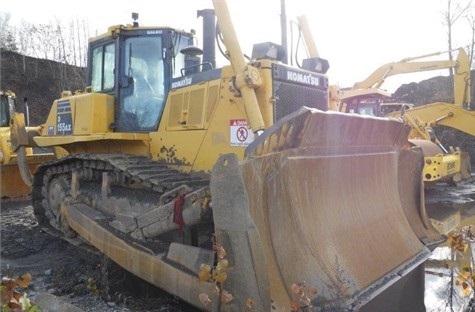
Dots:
{"x": 64, "y": 43}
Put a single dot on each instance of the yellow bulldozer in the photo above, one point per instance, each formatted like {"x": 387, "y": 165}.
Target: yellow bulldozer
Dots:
{"x": 12, "y": 184}
{"x": 233, "y": 188}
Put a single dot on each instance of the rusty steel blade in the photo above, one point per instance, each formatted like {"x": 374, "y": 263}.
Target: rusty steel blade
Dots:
{"x": 334, "y": 208}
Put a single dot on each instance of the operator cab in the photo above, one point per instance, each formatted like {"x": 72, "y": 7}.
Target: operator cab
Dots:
{"x": 136, "y": 65}
{"x": 369, "y": 107}
{"x": 7, "y": 104}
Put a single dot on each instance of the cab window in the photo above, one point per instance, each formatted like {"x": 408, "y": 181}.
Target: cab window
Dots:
{"x": 103, "y": 59}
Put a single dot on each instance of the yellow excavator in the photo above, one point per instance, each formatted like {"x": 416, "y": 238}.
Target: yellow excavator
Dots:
{"x": 366, "y": 98}
{"x": 233, "y": 188}
{"x": 422, "y": 119}
{"x": 356, "y": 98}
{"x": 441, "y": 164}
{"x": 12, "y": 185}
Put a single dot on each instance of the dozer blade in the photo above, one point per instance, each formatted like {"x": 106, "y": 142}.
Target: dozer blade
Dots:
{"x": 333, "y": 208}
{"x": 12, "y": 185}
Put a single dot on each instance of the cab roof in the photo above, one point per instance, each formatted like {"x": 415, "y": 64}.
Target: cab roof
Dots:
{"x": 114, "y": 30}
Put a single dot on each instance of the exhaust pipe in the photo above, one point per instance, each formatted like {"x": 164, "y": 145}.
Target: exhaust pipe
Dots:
{"x": 209, "y": 34}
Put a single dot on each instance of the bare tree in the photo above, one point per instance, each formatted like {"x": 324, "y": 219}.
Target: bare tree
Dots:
{"x": 7, "y": 38}
{"x": 54, "y": 41}
{"x": 455, "y": 10}
{"x": 470, "y": 17}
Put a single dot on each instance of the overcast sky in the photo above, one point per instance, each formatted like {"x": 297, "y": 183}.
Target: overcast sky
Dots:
{"x": 356, "y": 36}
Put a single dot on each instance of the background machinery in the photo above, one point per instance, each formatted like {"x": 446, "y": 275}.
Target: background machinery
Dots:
{"x": 367, "y": 96}
{"x": 441, "y": 164}
{"x": 198, "y": 178}
{"x": 12, "y": 184}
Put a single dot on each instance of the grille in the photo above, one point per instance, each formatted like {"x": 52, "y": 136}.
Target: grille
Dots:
{"x": 290, "y": 95}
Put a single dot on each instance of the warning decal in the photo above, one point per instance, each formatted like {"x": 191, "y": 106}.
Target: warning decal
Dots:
{"x": 239, "y": 134}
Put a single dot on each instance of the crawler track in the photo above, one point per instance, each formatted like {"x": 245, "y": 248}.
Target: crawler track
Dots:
{"x": 52, "y": 183}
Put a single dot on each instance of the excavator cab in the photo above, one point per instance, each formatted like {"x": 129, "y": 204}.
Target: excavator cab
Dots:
{"x": 373, "y": 105}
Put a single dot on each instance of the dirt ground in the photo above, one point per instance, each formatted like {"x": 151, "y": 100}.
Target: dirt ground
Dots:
{"x": 72, "y": 274}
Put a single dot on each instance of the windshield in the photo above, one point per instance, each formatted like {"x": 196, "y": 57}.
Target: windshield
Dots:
{"x": 142, "y": 97}
{"x": 368, "y": 109}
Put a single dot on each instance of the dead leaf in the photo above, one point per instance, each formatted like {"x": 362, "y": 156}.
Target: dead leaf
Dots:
{"x": 295, "y": 288}
{"x": 24, "y": 280}
{"x": 204, "y": 299}
{"x": 312, "y": 291}
{"x": 25, "y": 302}
{"x": 226, "y": 297}
{"x": 222, "y": 264}
{"x": 6, "y": 294}
{"x": 294, "y": 306}
{"x": 220, "y": 277}
{"x": 220, "y": 251}
{"x": 250, "y": 303}
{"x": 205, "y": 273}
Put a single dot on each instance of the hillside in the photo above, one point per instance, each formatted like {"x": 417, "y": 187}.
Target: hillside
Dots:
{"x": 436, "y": 89}
{"x": 42, "y": 81}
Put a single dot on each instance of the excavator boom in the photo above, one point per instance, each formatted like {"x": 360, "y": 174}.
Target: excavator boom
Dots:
{"x": 461, "y": 68}
{"x": 371, "y": 86}
{"x": 440, "y": 114}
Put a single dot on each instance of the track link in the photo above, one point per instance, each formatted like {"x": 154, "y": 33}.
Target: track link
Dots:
{"x": 52, "y": 183}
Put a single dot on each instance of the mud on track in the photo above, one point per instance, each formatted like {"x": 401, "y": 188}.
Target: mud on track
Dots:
{"x": 75, "y": 274}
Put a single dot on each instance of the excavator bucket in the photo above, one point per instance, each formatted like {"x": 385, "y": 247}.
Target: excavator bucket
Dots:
{"x": 337, "y": 202}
